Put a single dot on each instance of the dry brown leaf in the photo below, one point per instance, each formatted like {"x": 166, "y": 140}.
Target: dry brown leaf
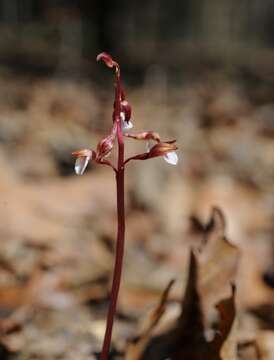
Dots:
{"x": 218, "y": 260}
{"x": 137, "y": 346}
{"x": 265, "y": 345}
{"x": 225, "y": 337}
{"x": 247, "y": 350}
{"x": 210, "y": 273}
{"x": 184, "y": 337}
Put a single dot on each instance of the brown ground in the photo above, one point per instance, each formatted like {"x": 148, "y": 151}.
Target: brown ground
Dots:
{"x": 57, "y": 230}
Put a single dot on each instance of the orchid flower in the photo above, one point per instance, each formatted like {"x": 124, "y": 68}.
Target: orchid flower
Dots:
{"x": 126, "y": 125}
{"x": 104, "y": 148}
{"x": 82, "y": 159}
{"x": 165, "y": 149}
{"x": 170, "y": 157}
{"x": 121, "y": 123}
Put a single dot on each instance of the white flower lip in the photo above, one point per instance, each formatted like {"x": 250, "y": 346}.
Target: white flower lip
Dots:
{"x": 81, "y": 164}
{"x": 126, "y": 125}
{"x": 149, "y": 146}
{"x": 171, "y": 158}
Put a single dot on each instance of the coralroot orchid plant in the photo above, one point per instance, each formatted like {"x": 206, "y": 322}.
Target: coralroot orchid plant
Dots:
{"x": 121, "y": 123}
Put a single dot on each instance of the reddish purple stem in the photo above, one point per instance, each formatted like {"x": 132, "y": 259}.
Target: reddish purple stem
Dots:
{"x": 121, "y": 226}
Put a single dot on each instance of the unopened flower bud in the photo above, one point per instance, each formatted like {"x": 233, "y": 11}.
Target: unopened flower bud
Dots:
{"x": 106, "y": 58}
{"x": 105, "y": 146}
{"x": 161, "y": 149}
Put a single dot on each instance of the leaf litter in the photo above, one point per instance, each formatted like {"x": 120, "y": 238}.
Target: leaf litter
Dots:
{"x": 57, "y": 232}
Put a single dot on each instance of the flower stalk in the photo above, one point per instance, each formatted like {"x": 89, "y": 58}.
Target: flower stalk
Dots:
{"x": 166, "y": 149}
{"x": 120, "y": 242}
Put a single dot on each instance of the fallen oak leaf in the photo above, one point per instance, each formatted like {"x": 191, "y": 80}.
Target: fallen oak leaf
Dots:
{"x": 247, "y": 350}
{"x": 41, "y": 290}
{"x": 6, "y": 350}
{"x": 189, "y": 334}
{"x": 186, "y": 338}
{"x": 264, "y": 345}
{"x": 215, "y": 227}
{"x": 6, "y": 265}
{"x": 264, "y": 313}
{"x": 224, "y": 341}
{"x": 186, "y": 335}
{"x": 216, "y": 222}
{"x": 216, "y": 253}
{"x": 13, "y": 326}
{"x": 12, "y": 297}
{"x": 137, "y": 345}
{"x": 159, "y": 311}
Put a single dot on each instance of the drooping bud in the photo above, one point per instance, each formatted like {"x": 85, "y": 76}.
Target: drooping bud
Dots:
{"x": 105, "y": 146}
{"x": 162, "y": 148}
{"x": 159, "y": 149}
{"x": 106, "y": 58}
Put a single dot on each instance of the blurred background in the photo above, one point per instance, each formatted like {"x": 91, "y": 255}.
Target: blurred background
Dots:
{"x": 195, "y": 70}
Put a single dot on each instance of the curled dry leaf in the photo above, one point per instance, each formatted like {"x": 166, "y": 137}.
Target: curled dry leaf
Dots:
{"x": 185, "y": 338}
{"x": 247, "y": 350}
{"x": 225, "y": 337}
{"x": 137, "y": 346}
{"x": 265, "y": 345}
{"x": 218, "y": 259}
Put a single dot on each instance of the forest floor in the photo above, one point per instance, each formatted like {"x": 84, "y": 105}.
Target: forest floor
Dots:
{"x": 57, "y": 230}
